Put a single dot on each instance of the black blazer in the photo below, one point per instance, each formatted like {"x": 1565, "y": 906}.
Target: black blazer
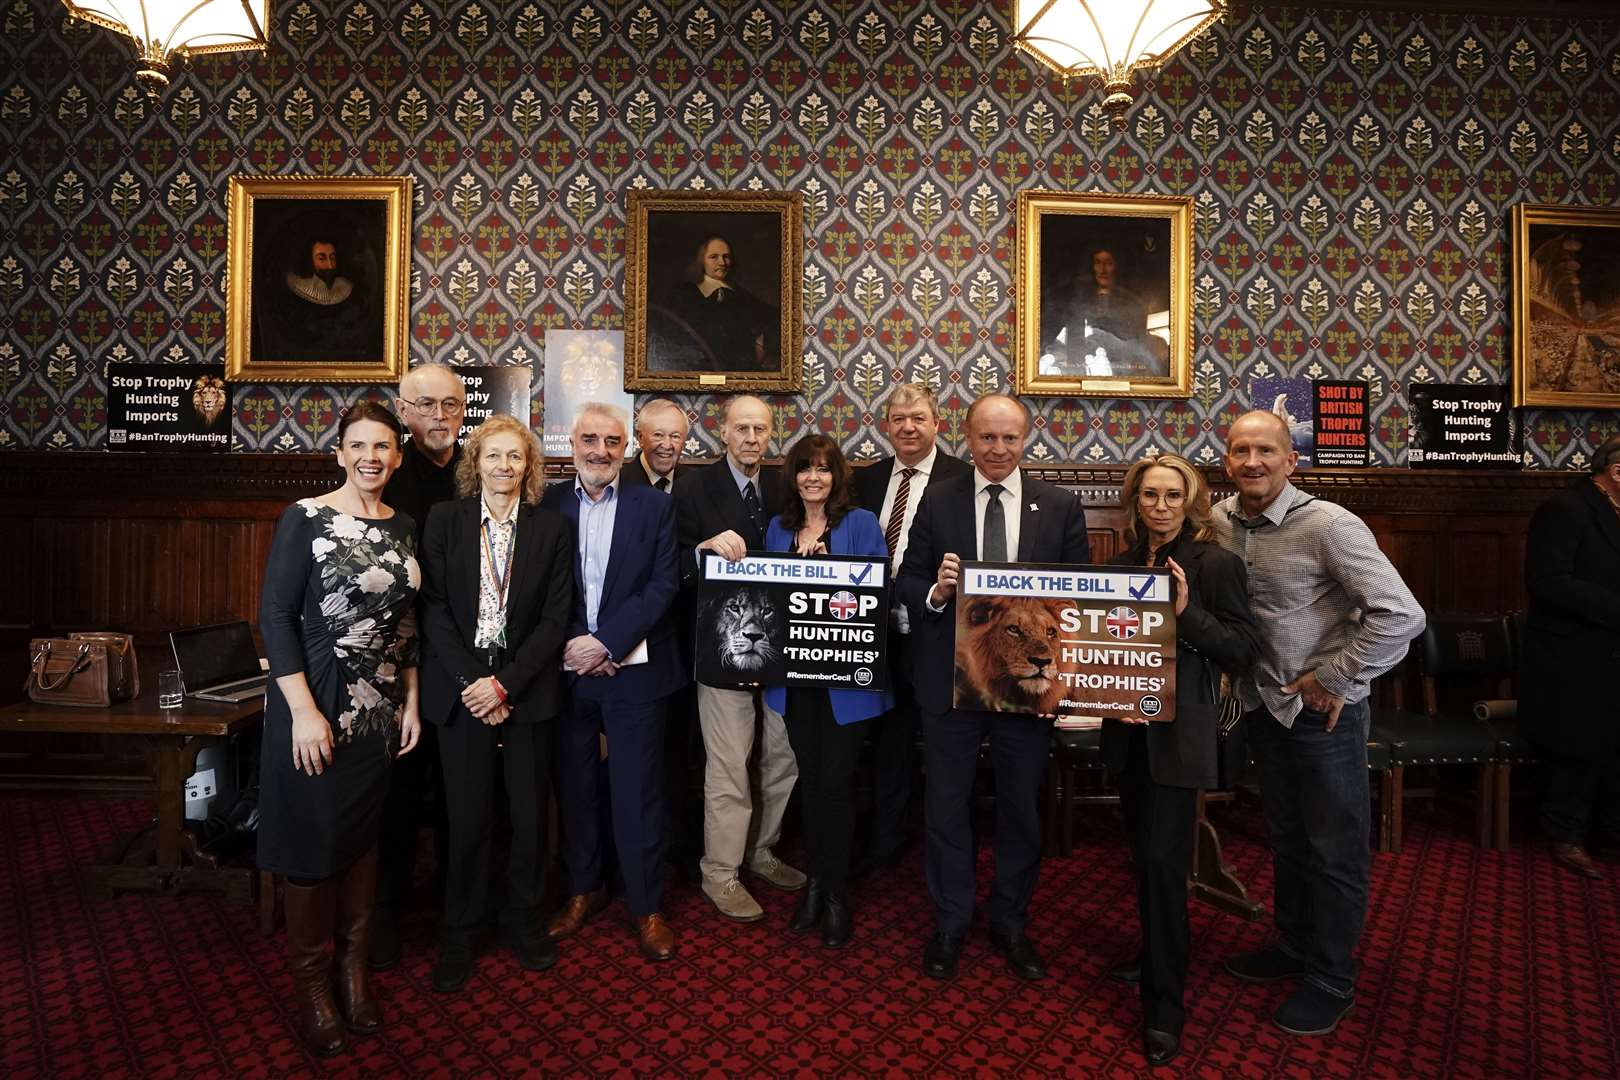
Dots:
{"x": 633, "y": 475}
{"x": 1572, "y": 631}
{"x": 1054, "y": 532}
{"x": 539, "y": 600}
{"x": 872, "y": 482}
{"x": 1216, "y": 633}
{"x": 708, "y": 503}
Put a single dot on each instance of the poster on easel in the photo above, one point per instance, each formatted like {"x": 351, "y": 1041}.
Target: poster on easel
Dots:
{"x": 1455, "y": 426}
{"x": 581, "y": 366}
{"x": 1341, "y": 423}
{"x": 168, "y": 407}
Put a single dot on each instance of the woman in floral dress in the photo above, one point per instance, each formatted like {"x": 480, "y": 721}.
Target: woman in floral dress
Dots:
{"x": 339, "y": 624}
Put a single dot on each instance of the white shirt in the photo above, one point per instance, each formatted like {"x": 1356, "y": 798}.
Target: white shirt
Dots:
{"x": 1012, "y": 509}
{"x": 913, "y": 498}
{"x": 653, "y": 476}
{"x": 708, "y": 286}
{"x": 901, "y": 618}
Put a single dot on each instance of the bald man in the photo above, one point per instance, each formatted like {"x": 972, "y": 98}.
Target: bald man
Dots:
{"x": 1334, "y": 615}
{"x": 993, "y": 514}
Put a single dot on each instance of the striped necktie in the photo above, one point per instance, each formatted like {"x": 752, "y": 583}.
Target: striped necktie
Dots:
{"x": 897, "y": 516}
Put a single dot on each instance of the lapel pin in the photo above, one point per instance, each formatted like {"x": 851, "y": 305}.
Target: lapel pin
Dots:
{"x": 1033, "y": 507}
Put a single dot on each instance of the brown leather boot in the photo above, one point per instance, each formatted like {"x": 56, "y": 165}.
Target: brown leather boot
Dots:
{"x": 356, "y": 895}
{"x": 311, "y": 912}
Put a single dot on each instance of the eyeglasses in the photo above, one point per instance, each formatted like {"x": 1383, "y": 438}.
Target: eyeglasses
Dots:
{"x": 1169, "y": 498}
{"x": 449, "y": 406}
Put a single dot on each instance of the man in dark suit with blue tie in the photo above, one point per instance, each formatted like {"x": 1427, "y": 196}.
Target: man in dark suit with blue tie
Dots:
{"x": 893, "y": 489}
{"x": 623, "y": 664}
{"x": 996, "y": 514}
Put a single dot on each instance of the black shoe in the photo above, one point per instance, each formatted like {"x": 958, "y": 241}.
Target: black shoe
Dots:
{"x": 454, "y": 968}
{"x": 1268, "y": 965}
{"x": 1311, "y": 1011}
{"x": 807, "y": 915}
{"x": 941, "y": 955}
{"x": 382, "y": 948}
{"x": 1160, "y": 1046}
{"x": 838, "y": 920}
{"x": 536, "y": 952}
{"x": 1127, "y": 973}
{"x": 1022, "y": 959}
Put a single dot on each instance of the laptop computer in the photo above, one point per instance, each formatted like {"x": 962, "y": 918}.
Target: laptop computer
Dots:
{"x": 219, "y": 663}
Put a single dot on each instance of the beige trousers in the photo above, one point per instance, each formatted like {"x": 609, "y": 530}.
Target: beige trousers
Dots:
{"x": 734, "y": 825}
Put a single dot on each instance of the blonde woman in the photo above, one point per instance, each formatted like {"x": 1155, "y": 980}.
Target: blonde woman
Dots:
{"x": 1161, "y": 766}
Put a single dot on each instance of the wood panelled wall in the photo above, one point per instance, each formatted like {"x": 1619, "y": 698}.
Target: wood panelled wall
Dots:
{"x": 148, "y": 542}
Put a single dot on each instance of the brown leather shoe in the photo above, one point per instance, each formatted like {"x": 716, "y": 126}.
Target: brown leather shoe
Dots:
{"x": 1575, "y": 857}
{"x": 576, "y": 913}
{"x": 657, "y": 940}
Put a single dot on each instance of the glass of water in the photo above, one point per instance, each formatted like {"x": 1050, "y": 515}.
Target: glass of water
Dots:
{"x": 171, "y": 690}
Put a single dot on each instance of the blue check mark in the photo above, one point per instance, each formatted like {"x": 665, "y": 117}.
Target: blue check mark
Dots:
{"x": 1140, "y": 587}
{"x": 858, "y": 577}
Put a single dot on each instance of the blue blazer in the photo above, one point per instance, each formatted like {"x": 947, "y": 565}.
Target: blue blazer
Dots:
{"x": 857, "y": 534}
{"x": 638, "y": 593}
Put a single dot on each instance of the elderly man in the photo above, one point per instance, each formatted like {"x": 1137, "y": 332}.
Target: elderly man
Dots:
{"x": 1334, "y": 615}
{"x": 432, "y": 403}
{"x": 661, "y": 428}
{"x": 994, "y": 514}
{"x": 624, "y": 662}
{"x": 724, "y": 508}
{"x": 893, "y": 489}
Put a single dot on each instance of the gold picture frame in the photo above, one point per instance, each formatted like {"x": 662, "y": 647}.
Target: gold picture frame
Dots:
{"x": 685, "y": 330}
{"x": 1566, "y": 307}
{"x": 1111, "y": 317}
{"x": 344, "y": 321}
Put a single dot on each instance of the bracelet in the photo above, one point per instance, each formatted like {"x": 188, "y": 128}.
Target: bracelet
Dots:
{"x": 499, "y": 689}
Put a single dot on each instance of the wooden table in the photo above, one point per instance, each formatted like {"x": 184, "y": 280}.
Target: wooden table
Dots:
{"x": 163, "y": 856}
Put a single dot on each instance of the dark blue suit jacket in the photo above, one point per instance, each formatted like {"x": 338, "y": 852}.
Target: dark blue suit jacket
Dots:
{"x": 638, "y": 593}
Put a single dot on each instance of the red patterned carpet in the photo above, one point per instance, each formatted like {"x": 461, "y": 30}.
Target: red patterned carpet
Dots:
{"x": 1475, "y": 964}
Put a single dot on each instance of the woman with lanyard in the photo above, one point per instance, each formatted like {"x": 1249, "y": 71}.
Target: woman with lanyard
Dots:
{"x": 497, "y": 590}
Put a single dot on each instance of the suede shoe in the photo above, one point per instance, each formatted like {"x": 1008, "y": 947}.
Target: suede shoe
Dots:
{"x": 1022, "y": 959}
{"x": 1575, "y": 858}
{"x": 654, "y": 937}
{"x": 1160, "y": 1046}
{"x": 941, "y": 956}
{"x": 1267, "y": 965}
{"x": 454, "y": 968}
{"x": 764, "y": 865}
{"x": 1311, "y": 1011}
{"x": 579, "y": 910}
{"x": 733, "y": 901}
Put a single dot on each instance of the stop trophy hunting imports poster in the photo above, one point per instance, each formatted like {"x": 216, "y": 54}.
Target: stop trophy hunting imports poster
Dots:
{"x": 1078, "y": 643}
{"x": 775, "y": 619}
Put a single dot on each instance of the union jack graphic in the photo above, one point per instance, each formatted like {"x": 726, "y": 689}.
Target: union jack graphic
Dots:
{"x": 1123, "y": 623}
{"x": 842, "y": 605}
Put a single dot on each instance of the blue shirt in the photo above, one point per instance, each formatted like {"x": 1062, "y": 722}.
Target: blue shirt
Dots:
{"x": 745, "y": 481}
{"x": 596, "y": 519}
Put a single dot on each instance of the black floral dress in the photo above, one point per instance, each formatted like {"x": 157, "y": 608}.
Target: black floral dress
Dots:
{"x": 338, "y": 605}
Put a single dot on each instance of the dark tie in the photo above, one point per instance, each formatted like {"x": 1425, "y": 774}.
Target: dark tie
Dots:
{"x": 994, "y": 548}
{"x": 897, "y": 516}
{"x": 662, "y": 483}
{"x": 751, "y": 504}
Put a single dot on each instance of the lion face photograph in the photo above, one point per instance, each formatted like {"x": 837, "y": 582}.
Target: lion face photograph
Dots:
{"x": 746, "y": 631}
{"x": 1006, "y": 660}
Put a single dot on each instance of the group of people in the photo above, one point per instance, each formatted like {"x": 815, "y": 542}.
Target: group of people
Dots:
{"x": 444, "y": 607}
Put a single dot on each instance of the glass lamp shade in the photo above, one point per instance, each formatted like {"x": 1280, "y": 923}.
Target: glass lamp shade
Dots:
{"x": 162, "y": 29}
{"x": 1109, "y": 38}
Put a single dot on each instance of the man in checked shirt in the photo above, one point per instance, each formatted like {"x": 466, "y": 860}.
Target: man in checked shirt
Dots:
{"x": 1334, "y": 615}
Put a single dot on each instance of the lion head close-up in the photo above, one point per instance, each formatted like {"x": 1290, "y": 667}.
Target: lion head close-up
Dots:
{"x": 745, "y": 627}
{"x": 1007, "y": 662}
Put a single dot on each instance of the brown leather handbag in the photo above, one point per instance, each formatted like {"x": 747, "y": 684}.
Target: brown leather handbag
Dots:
{"x": 89, "y": 671}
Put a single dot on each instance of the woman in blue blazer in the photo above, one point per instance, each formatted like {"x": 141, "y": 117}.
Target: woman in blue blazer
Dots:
{"x": 826, "y": 727}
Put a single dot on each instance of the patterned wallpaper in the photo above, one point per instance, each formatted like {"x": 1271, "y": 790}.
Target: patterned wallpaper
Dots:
{"x": 1352, "y": 176}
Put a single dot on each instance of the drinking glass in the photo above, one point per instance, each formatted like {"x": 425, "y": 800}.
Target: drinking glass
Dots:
{"x": 171, "y": 690}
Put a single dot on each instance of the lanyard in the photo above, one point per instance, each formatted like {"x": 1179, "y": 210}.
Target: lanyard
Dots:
{"x": 500, "y": 578}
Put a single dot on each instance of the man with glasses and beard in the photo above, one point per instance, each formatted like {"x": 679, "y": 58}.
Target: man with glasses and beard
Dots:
{"x": 432, "y": 402}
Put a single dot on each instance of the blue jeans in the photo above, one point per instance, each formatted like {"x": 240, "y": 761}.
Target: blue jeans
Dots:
{"x": 1318, "y": 813}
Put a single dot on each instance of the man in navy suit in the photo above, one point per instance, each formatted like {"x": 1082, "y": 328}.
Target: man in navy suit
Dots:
{"x": 996, "y": 514}
{"x": 661, "y": 430}
{"x": 623, "y": 664}
{"x": 893, "y": 489}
